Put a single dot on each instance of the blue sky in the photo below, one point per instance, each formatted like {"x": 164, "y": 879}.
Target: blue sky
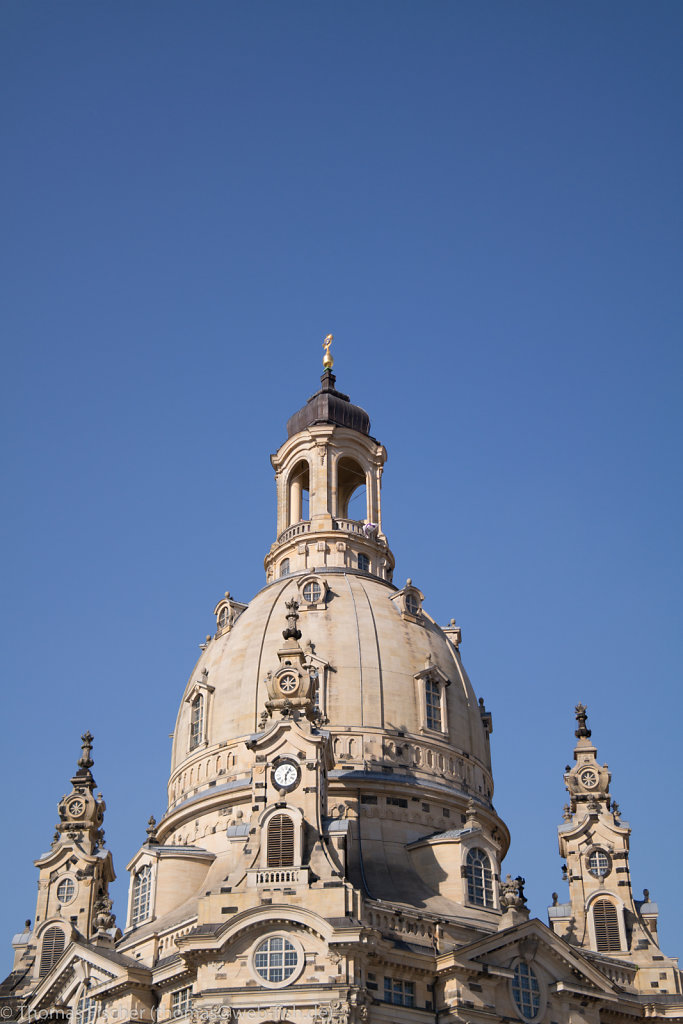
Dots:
{"x": 483, "y": 202}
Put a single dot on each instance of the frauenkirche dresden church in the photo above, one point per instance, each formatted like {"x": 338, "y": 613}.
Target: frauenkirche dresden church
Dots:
{"x": 331, "y": 850}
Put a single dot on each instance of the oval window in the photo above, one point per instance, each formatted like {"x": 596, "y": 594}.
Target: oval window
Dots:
{"x": 525, "y": 991}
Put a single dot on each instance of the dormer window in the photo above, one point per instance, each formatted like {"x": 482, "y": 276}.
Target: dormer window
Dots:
{"x": 141, "y": 904}
{"x": 312, "y": 592}
{"x": 431, "y": 686}
{"x": 412, "y": 603}
{"x": 223, "y": 617}
{"x": 199, "y": 699}
{"x": 479, "y": 878}
{"x": 433, "y": 705}
{"x": 197, "y": 721}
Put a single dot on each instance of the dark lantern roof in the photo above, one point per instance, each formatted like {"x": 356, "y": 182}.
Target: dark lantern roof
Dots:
{"x": 329, "y": 406}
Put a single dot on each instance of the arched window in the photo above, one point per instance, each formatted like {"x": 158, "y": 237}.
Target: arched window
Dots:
{"x": 299, "y": 488}
{"x": 197, "y": 721}
{"x": 53, "y": 947}
{"x": 284, "y": 567}
{"x": 352, "y": 501}
{"x": 142, "y": 896}
{"x": 364, "y": 563}
{"x": 479, "y": 878}
{"x": 86, "y": 1009}
{"x": 280, "y": 850}
{"x": 606, "y": 924}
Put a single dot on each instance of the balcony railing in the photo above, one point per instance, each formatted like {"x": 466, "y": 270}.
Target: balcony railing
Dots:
{"x": 278, "y": 876}
{"x": 293, "y": 531}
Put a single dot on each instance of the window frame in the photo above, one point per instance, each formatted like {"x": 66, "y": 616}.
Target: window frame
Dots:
{"x": 136, "y": 898}
{"x": 201, "y": 688}
{"x": 50, "y": 956}
{"x": 436, "y": 678}
{"x": 486, "y": 884}
{"x": 181, "y": 1002}
{"x": 67, "y": 879}
{"x": 595, "y": 852}
{"x": 531, "y": 976}
{"x": 286, "y": 936}
{"x": 394, "y": 987}
{"x": 197, "y": 720}
{"x": 604, "y": 896}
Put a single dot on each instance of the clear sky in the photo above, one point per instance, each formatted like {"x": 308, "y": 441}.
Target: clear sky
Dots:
{"x": 482, "y": 200}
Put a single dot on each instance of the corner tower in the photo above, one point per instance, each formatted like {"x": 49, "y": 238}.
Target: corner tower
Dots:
{"x": 328, "y": 475}
{"x": 602, "y": 916}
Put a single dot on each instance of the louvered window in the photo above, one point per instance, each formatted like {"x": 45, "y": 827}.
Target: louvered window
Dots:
{"x": 197, "y": 721}
{"x": 606, "y": 926}
{"x": 53, "y": 947}
{"x": 281, "y": 841}
{"x": 479, "y": 878}
{"x": 142, "y": 895}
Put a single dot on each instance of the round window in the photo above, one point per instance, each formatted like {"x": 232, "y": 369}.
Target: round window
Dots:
{"x": 276, "y": 960}
{"x": 412, "y": 604}
{"x": 525, "y": 991}
{"x": 66, "y": 890}
{"x": 312, "y": 592}
{"x": 599, "y": 864}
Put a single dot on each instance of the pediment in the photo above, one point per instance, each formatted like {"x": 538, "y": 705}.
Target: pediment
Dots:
{"x": 79, "y": 963}
{"x": 534, "y": 942}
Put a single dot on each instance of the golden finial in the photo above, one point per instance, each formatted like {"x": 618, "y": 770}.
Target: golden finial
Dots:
{"x": 328, "y": 361}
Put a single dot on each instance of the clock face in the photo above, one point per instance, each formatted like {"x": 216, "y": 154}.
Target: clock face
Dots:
{"x": 76, "y": 808}
{"x": 589, "y": 778}
{"x": 286, "y": 775}
{"x": 288, "y": 683}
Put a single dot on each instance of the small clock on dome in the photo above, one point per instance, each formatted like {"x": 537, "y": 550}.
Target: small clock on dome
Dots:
{"x": 288, "y": 684}
{"x": 76, "y": 807}
{"x": 286, "y": 774}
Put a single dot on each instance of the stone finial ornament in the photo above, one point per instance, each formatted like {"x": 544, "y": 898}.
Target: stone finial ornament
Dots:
{"x": 151, "y": 831}
{"x": 512, "y": 893}
{"x": 581, "y": 717}
{"x": 292, "y": 633}
{"x": 85, "y": 760}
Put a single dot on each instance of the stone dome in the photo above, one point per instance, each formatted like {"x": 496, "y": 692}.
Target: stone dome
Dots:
{"x": 372, "y": 656}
